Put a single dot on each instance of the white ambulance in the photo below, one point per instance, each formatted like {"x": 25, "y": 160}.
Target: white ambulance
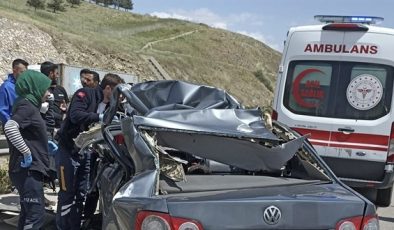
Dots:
{"x": 335, "y": 83}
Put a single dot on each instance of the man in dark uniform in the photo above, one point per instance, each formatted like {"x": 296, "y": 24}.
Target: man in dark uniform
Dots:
{"x": 74, "y": 165}
{"x": 89, "y": 78}
{"x": 51, "y": 112}
{"x": 60, "y": 95}
{"x": 29, "y": 163}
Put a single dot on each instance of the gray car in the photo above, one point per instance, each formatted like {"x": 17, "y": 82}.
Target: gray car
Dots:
{"x": 179, "y": 156}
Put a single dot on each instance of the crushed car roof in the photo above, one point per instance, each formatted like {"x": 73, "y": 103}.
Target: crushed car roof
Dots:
{"x": 206, "y": 122}
{"x": 223, "y": 122}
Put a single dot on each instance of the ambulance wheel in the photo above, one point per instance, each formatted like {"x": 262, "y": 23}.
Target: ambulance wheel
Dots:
{"x": 369, "y": 193}
{"x": 383, "y": 197}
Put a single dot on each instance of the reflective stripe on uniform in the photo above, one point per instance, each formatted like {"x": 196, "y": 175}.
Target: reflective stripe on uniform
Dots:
{"x": 29, "y": 226}
{"x": 62, "y": 180}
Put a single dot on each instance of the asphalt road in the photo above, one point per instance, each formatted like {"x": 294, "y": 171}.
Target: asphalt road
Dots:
{"x": 386, "y": 217}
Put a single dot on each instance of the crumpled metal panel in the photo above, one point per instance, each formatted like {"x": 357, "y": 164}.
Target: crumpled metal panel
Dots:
{"x": 201, "y": 120}
{"x": 244, "y": 154}
{"x": 85, "y": 138}
{"x": 144, "y": 184}
{"x": 224, "y": 122}
{"x": 172, "y": 95}
{"x": 140, "y": 152}
{"x": 109, "y": 183}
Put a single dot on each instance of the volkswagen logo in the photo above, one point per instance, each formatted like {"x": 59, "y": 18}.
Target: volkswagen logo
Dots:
{"x": 272, "y": 215}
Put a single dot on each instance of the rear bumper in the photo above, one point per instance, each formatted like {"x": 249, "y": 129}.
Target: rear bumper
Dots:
{"x": 386, "y": 182}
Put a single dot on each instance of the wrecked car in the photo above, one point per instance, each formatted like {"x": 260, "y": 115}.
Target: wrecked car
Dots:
{"x": 179, "y": 156}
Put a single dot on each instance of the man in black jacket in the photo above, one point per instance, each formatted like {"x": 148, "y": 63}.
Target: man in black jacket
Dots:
{"x": 59, "y": 105}
{"x": 89, "y": 78}
{"x": 72, "y": 165}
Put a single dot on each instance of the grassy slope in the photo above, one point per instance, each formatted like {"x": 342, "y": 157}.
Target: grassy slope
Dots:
{"x": 99, "y": 37}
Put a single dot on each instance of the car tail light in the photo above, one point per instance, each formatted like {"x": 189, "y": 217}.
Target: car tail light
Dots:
{"x": 359, "y": 223}
{"x": 370, "y": 223}
{"x": 353, "y": 223}
{"x": 147, "y": 220}
{"x": 119, "y": 139}
{"x": 274, "y": 115}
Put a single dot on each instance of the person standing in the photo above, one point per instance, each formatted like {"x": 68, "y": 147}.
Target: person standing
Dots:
{"x": 7, "y": 90}
{"x": 49, "y": 113}
{"x": 61, "y": 100}
{"x": 96, "y": 78}
{"x": 29, "y": 163}
{"x": 74, "y": 166}
{"x": 107, "y": 84}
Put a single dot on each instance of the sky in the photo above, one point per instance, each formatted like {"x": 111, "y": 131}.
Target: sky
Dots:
{"x": 265, "y": 20}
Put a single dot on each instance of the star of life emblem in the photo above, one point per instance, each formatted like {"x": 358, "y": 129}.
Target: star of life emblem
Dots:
{"x": 364, "y": 92}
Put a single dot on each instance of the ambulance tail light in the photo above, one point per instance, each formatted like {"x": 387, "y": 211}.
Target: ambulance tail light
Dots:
{"x": 390, "y": 155}
{"x": 345, "y": 27}
{"x": 274, "y": 115}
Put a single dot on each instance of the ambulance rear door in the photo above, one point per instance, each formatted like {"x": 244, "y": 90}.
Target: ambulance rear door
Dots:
{"x": 306, "y": 92}
{"x": 361, "y": 107}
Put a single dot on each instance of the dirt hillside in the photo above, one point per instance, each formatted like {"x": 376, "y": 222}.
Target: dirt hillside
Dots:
{"x": 102, "y": 38}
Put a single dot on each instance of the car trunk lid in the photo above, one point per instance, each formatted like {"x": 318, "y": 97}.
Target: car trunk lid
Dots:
{"x": 302, "y": 206}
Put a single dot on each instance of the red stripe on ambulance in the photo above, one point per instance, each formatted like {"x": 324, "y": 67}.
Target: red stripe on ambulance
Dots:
{"x": 341, "y": 140}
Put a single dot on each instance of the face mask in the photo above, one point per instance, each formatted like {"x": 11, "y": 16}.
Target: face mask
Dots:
{"x": 44, "y": 107}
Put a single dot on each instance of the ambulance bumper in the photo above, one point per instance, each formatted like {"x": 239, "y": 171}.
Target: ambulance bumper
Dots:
{"x": 387, "y": 181}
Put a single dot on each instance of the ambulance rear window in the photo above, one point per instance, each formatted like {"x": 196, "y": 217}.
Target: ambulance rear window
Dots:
{"x": 349, "y": 90}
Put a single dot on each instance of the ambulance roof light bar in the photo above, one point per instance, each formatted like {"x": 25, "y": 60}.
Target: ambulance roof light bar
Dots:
{"x": 349, "y": 19}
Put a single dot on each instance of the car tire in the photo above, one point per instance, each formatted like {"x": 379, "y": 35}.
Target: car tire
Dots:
{"x": 369, "y": 193}
{"x": 383, "y": 197}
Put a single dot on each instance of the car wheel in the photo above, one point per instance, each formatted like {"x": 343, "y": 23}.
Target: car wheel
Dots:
{"x": 383, "y": 197}
{"x": 369, "y": 193}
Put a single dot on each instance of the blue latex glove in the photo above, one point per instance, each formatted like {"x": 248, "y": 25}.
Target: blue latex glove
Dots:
{"x": 27, "y": 159}
{"x": 52, "y": 148}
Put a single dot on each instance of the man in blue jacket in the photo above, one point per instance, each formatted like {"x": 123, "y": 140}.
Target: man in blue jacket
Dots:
{"x": 7, "y": 90}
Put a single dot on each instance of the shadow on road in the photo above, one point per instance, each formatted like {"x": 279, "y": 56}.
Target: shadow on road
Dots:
{"x": 9, "y": 222}
{"x": 387, "y": 219}
{"x": 9, "y": 202}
